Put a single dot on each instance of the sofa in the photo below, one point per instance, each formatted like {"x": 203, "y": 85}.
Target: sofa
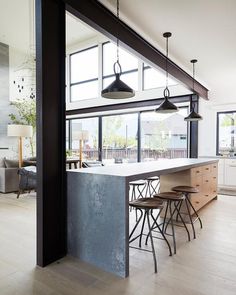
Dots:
{"x": 9, "y": 178}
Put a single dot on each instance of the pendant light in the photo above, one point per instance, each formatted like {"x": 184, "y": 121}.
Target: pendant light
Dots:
{"x": 166, "y": 106}
{"x": 193, "y": 116}
{"x": 117, "y": 89}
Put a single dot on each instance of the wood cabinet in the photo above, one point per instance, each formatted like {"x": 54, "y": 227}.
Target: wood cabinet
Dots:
{"x": 205, "y": 178}
{"x": 227, "y": 174}
{"x": 230, "y": 172}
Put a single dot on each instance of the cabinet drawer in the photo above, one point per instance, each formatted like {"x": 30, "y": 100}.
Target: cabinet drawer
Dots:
{"x": 197, "y": 182}
{"x": 198, "y": 201}
{"x": 214, "y": 169}
{"x": 230, "y": 172}
{"x": 206, "y": 169}
{"x": 196, "y": 171}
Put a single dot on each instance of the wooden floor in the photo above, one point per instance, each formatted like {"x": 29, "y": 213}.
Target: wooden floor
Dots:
{"x": 205, "y": 266}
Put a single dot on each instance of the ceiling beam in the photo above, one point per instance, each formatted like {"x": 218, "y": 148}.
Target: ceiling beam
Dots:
{"x": 103, "y": 20}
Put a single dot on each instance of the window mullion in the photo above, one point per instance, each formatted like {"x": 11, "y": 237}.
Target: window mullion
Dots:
{"x": 100, "y": 69}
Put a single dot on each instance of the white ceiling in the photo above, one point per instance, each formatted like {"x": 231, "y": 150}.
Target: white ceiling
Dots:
{"x": 202, "y": 29}
{"x": 14, "y": 23}
{"x": 17, "y": 25}
{"x": 77, "y": 31}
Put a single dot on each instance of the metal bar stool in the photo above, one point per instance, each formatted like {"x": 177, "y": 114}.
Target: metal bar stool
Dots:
{"x": 137, "y": 185}
{"x": 146, "y": 207}
{"x": 175, "y": 199}
{"x": 186, "y": 191}
{"x": 152, "y": 188}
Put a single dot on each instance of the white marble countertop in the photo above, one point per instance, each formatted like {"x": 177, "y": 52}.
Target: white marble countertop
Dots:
{"x": 143, "y": 169}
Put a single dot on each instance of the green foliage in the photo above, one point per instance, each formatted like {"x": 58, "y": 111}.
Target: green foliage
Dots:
{"x": 26, "y": 115}
{"x": 157, "y": 139}
{"x": 229, "y": 120}
{"x": 110, "y": 136}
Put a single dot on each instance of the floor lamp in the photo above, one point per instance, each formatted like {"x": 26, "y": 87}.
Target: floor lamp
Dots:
{"x": 20, "y": 131}
{"x": 83, "y": 136}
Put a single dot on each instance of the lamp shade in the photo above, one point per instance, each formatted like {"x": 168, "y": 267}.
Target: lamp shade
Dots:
{"x": 118, "y": 90}
{"x": 20, "y": 130}
{"x": 193, "y": 116}
{"x": 83, "y": 135}
{"x": 166, "y": 107}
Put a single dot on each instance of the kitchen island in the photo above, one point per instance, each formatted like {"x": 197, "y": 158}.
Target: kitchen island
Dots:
{"x": 98, "y": 208}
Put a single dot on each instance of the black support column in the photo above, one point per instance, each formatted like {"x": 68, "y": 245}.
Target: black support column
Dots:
{"x": 193, "y": 128}
{"x": 51, "y": 180}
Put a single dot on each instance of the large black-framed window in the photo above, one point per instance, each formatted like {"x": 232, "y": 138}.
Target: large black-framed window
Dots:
{"x": 91, "y": 145}
{"x": 129, "y": 64}
{"x": 153, "y": 78}
{"x": 120, "y": 138}
{"x": 123, "y": 137}
{"x": 164, "y": 136}
{"x": 226, "y": 132}
{"x": 84, "y": 78}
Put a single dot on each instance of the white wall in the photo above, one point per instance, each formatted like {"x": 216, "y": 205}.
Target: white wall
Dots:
{"x": 207, "y": 127}
{"x": 16, "y": 60}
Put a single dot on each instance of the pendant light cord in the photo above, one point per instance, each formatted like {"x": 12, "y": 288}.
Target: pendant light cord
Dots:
{"x": 166, "y": 90}
{"x": 192, "y": 105}
{"x": 117, "y": 40}
{"x": 193, "y": 75}
{"x": 167, "y": 54}
{"x": 117, "y": 67}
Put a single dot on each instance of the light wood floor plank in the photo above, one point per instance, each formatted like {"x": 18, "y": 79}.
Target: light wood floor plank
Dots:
{"x": 205, "y": 266}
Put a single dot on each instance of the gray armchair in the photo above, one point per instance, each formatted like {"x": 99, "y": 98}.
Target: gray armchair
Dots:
{"x": 27, "y": 179}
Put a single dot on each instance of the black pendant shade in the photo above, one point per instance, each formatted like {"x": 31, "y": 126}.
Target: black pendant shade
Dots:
{"x": 118, "y": 90}
{"x": 166, "y": 106}
{"x": 193, "y": 116}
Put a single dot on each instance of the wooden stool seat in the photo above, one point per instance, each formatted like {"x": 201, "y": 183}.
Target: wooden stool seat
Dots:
{"x": 186, "y": 189}
{"x": 138, "y": 182}
{"x": 153, "y": 178}
{"x": 172, "y": 196}
{"x": 147, "y": 203}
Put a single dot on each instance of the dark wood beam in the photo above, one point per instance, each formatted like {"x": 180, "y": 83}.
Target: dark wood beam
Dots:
{"x": 127, "y": 105}
{"x": 50, "y": 82}
{"x": 102, "y": 19}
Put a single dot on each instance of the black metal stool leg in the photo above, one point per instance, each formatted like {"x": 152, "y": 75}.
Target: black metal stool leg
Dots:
{"x": 155, "y": 188}
{"x": 163, "y": 235}
{"x": 137, "y": 223}
{"x": 172, "y": 227}
{"x": 173, "y": 213}
{"x": 180, "y": 205}
{"x": 178, "y": 214}
{"x": 190, "y": 218}
{"x": 147, "y": 187}
{"x": 151, "y": 238}
{"x": 164, "y": 220}
{"x": 195, "y": 212}
{"x": 141, "y": 233}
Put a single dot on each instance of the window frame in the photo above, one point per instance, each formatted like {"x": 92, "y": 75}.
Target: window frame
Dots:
{"x": 218, "y": 129}
{"x": 113, "y": 75}
{"x": 84, "y": 81}
{"x": 100, "y": 128}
